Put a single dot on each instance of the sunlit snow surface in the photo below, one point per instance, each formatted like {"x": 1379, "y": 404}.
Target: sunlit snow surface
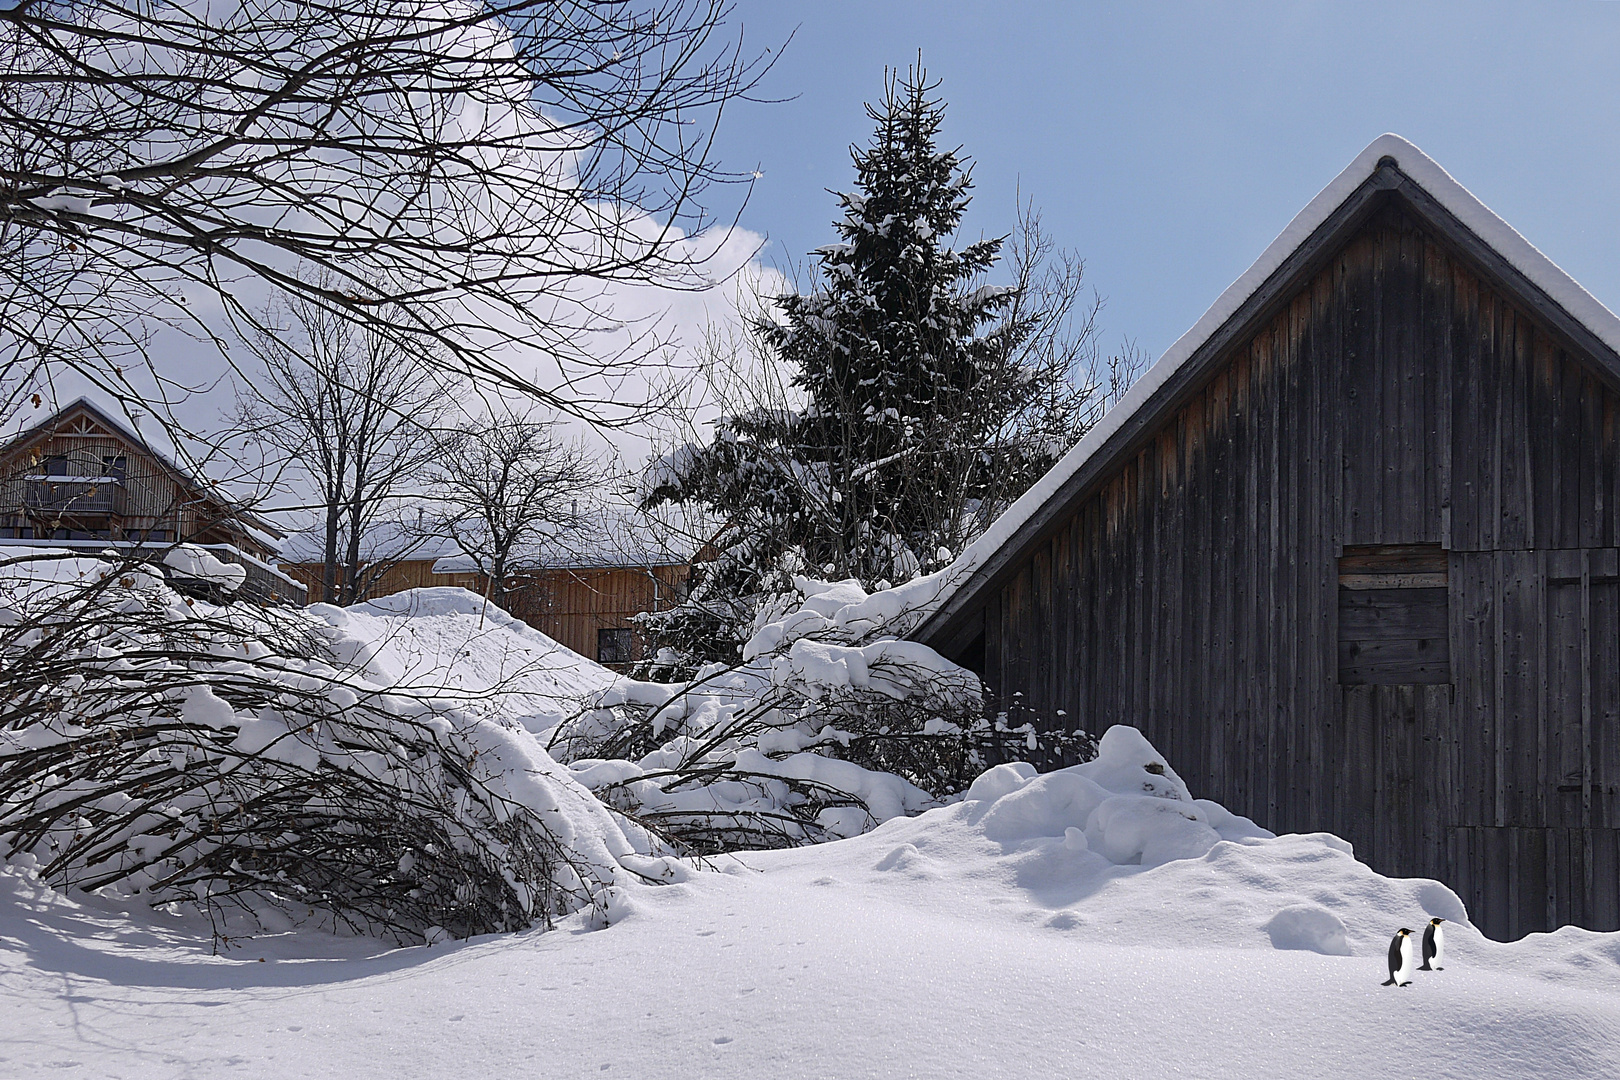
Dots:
{"x": 989, "y": 938}
{"x": 453, "y": 645}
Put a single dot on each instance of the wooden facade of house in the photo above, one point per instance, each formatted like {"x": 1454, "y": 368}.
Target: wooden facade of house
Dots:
{"x": 80, "y": 478}
{"x": 588, "y": 609}
{"x": 1353, "y": 565}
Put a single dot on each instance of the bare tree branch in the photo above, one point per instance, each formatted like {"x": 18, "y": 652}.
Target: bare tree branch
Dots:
{"x": 462, "y": 180}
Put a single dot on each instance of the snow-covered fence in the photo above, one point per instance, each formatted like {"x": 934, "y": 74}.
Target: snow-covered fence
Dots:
{"x": 220, "y": 755}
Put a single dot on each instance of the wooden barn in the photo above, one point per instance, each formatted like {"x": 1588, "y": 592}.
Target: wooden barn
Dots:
{"x": 1349, "y": 554}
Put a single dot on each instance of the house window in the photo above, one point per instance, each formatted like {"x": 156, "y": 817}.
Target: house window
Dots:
{"x": 613, "y": 646}
{"x": 1394, "y": 624}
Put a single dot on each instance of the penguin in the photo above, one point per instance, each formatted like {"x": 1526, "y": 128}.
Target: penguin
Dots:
{"x": 1434, "y": 946}
{"x": 1400, "y": 959}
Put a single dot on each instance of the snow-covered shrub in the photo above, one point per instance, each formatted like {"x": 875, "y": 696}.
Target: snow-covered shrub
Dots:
{"x": 831, "y": 725}
{"x": 187, "y": 752}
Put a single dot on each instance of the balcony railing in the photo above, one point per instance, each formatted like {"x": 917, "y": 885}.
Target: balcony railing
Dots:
{"x": 75, "y": 495}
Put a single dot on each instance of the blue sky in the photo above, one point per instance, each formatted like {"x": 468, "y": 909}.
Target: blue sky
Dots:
{"x": 1168, "y": 143}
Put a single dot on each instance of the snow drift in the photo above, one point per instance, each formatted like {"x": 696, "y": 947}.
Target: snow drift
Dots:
{"x": 1120, "y": 848}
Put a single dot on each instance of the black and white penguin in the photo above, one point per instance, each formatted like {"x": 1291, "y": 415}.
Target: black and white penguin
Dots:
{"x": 1434, "y": 946}
{"x": 1400, "y": 959}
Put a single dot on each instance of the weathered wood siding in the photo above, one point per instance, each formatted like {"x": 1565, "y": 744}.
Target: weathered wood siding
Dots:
{"x": 571, "y": 606}
{"x": 402, "y": 575}
{"x": 1396, "y": 399}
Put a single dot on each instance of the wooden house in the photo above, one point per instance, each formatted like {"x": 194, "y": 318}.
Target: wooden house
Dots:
{"x": 82, "y": 479}
{"x": 1349, "y": 554}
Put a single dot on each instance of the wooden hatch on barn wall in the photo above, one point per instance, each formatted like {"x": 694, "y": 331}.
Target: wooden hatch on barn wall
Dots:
{"x": 1393, "y": 616}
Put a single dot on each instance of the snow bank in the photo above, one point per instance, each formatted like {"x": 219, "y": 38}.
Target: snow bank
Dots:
{"x": 191, "y": 561}
{"x": 456, "y": 647}
{"x": 1126, "y": 805}
{"x": 1120, "y": 848}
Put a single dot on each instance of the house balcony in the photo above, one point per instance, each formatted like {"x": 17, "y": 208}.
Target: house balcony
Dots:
{"x": 74, "y": 496}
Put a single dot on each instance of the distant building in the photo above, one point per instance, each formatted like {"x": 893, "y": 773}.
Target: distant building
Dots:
{"x": 582, "y": 591}
{"x": 83, "y": 480}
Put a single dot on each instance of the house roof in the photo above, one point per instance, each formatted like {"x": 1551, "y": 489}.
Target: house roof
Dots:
{"x": 128, "y": 434}
{"x": 610, "y": 535}
{"x": 1388, "y": 164}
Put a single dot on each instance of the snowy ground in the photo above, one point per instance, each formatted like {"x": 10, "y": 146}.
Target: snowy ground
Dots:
{"x": 922, "y": 949}
{"x": 1097, "y": 921}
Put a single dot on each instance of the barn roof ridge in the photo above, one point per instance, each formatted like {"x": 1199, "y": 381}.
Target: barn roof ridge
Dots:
{"x": 1571, "y": 307}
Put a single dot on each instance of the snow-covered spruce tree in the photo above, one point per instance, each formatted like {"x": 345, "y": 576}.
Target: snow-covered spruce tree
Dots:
{"x": 919, "y": 400}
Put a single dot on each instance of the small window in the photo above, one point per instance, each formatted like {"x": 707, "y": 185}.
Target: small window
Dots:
{"x": 1394, "y": 615}
{"x": 613, "y": 646}
{"x": 55, "y": 466}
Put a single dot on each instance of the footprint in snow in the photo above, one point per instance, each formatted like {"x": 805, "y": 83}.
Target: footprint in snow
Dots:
{"x": 1065, "y": 920}
{"x": 721, "y": 1040}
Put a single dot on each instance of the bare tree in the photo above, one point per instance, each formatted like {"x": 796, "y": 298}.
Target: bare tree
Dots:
{"x": 510, "y": 487}
{"x": 461, "y": 180}
{"x": 430, "y": 187}
{"x": 360, "y": 420}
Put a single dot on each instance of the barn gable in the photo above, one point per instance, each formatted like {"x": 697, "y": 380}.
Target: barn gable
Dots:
{"x": 1350, "y": 560}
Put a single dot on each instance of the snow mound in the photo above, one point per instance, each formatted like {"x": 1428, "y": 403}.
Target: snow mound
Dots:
{"x": 452, "y": 645}
{"x": 1119, "y": 848}
{"x": 191, "y": 561}
{"x": 1308, "y": 926}
{"x": 1128, "y": 805}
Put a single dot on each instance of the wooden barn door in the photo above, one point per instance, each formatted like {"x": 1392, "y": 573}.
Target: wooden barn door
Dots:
{"x": 1532, "y": 837}
{"x": 1394, "y": 676}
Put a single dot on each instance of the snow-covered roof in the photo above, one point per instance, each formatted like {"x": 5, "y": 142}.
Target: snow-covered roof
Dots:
{"x": 611, "y": 535}
{"x": 382, "y": 540}
{"x": 981, "y": 561}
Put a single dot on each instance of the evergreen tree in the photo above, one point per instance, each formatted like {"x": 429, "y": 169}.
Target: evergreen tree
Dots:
{"x": 892, "y": 353}
{"x": 919, "y": 402}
